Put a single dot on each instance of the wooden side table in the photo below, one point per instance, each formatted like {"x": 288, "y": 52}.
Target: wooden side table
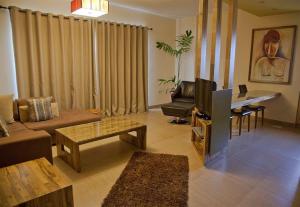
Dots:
{"x": 33, "y": 184}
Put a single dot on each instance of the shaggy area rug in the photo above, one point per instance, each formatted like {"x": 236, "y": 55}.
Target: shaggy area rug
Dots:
{"x": 151, "y": 180}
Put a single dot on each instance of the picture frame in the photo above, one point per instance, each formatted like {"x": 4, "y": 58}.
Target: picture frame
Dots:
{"x": 272, "y": 54}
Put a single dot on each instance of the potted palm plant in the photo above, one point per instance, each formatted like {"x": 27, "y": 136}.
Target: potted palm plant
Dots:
{"x": 183, "y": 45}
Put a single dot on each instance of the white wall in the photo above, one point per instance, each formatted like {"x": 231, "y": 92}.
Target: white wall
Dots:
{"x": 160, "y": 64}
{"x": 7, "y": 64}
{"x": 282, "y": 109}
{"x": 188, "y": 59}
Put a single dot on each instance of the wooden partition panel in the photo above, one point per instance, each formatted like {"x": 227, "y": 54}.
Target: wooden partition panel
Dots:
{"x": 298, "y": 113}
{"x": 230, "y": 44}
{"x": 215, "y": 55}
{"x": 201, "y": 44}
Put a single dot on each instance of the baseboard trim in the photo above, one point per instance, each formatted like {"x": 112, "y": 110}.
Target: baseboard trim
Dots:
{"x": 155, "y": 106}
{"x": 280, "y": 123}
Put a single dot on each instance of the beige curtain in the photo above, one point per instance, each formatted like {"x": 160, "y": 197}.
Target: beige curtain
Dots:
{"x": 53, "y": 57}
{"x": 122, "y": 67}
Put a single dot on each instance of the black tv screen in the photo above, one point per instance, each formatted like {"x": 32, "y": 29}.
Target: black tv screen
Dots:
{"x": 203, "y": 95}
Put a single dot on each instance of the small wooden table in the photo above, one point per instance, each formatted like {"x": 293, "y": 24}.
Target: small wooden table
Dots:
{"x": 74, "y": 136}
{"x": 34, "y": 183}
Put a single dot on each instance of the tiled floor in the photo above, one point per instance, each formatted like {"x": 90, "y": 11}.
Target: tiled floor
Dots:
{"x": 260, "y": 168}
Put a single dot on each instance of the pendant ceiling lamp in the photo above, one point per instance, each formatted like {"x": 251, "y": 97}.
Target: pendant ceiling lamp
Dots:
{"x": 90, "y": 8}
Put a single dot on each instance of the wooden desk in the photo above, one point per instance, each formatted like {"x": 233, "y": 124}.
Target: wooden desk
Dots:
{"x": 34, "y": 183}
{"x": 252, "y": 97}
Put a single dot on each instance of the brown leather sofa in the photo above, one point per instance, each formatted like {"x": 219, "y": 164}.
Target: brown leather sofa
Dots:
{"x": 33, "y": 140}
{"x": 66, "y": 118}
{"x": 23, "y": 145}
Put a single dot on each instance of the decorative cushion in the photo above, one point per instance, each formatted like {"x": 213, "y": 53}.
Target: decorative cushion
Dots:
{"x": 3, "y": 128}
{"x": 6, "y": 108}
{"x": 40, "y": 109}
{"x": 55, "y": 111}
{"x": 188, "y": 90}
{"x": 24, "y": 113}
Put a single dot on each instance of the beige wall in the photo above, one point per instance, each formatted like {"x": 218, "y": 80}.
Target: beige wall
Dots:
{"x": 160, "y": 64}
{"x": 282, "y": 109}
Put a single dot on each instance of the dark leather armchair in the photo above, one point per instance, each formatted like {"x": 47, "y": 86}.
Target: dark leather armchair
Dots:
{"x": 183, "y": 101}
{"x": 184, "y": 93}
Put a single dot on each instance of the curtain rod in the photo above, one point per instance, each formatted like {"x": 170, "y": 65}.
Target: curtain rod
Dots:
{"x": 67, "y": 17}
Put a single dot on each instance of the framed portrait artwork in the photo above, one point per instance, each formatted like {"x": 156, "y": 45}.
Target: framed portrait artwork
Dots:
{"x": 272, "y": 54}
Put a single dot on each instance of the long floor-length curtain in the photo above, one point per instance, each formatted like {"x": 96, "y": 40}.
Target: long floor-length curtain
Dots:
{"x": 122, "y": 67}
{"x": 54, "y": 57}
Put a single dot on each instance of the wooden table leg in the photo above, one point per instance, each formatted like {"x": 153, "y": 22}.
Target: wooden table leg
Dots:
{"x": 70, "y": 156}
{"x": 139, "y": 141}
{"x": 142, "y": 137}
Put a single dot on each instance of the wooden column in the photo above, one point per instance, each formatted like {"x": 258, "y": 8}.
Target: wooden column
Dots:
{"x": 201, "y": 44}
{"x": 230, "y": 44}
{"x": 215, "y": 55}
{"x": 298, "y": 114}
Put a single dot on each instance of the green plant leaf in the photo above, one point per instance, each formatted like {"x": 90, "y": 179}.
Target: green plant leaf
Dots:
{"x": 166, "y": 48}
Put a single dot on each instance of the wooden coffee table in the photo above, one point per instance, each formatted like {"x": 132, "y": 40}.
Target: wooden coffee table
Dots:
{"x": 34, "y": 183}
{"x": 74, "y": 136}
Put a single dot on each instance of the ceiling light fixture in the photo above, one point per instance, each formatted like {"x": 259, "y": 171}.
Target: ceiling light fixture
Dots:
{"x": 90, "y": 8}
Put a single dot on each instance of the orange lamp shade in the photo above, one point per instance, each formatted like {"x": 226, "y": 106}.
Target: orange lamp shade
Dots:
{"x": 91, "y": 8}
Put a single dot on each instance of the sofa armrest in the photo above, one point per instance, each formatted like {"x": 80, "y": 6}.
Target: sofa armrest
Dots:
{"x": 24, "y": 146}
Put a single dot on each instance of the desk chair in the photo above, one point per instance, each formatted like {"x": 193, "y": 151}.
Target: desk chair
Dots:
{"x": 253, "y": 107}
{"x": 240, "y": 114}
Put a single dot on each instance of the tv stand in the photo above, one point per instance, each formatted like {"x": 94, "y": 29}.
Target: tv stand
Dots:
{"x": 203, "y": 116}
{"x": 210, "y": 135}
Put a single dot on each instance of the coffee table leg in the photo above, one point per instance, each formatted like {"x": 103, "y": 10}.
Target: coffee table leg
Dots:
{"x": 142, "y": 137}
{"x": 71, "y": 156}
{"x": 139, "y": 140}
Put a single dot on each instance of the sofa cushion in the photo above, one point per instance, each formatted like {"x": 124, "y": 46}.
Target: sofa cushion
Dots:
{"x": 24, "y": 113}
{"x": 66, "y": 119}
{"x": 22, "y": 102}
{"x": 55, "y": 110}
{"x": 40, "y": 109}
{"x": 3, "y": 128}
{"x": 16, "y": 127}
{"x": 6, "y": 108}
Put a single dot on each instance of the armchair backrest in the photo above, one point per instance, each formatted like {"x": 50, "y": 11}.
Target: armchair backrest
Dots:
{"x": 187, "y": 89}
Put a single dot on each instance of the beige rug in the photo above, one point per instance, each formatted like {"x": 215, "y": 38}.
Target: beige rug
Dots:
{"x": 151, "y": 180}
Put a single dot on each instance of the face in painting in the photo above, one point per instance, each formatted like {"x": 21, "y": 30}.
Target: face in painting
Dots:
{"x": 271, "y": 43}
{"x": 271, "y": 49}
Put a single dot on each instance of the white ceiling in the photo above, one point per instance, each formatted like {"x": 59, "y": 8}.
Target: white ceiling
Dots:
{"x": 183, "y": 8}
{"x": 167, "y": 8}
{"x": 269, "y": 7}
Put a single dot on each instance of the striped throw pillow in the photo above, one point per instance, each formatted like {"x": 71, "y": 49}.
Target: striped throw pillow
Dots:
{"x": 40, "y": 109}
{"x": 3, "y": 128}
